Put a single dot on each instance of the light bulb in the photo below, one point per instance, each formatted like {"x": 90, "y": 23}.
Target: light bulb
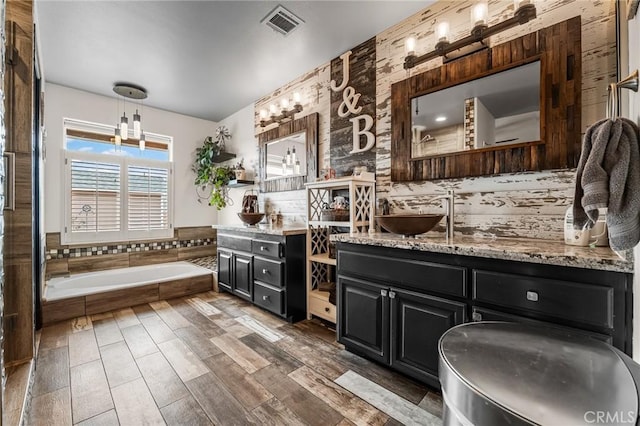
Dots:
{"x": 293, "y": 155}
{"x": 124, "y": 127}
{"x": 479, "y": 14}
{"x": 117, "y": 138}
{"x": 263, "y": 114}
{"x": 410, "y": 46}
{"x": 288, "y": 157}
{"x": 142, "y": 143}
{"x": 297, "y": 99}
{"x": 136, "y": 125}
{"x": 443, "y": 31}
{"x": 273, "y": 110}
{"x": 284, "y": 104}
{"x": 297, "y": 167}
{"x": 284, "y": 166}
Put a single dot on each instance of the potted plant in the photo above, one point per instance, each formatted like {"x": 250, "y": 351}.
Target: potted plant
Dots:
{"x": 209, "y": 174}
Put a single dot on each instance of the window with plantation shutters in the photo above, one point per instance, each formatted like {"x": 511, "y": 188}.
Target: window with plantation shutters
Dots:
{"x": 95, "y": 197}
{"x": 115, "y": 194}
{"x": 148, "y": 198}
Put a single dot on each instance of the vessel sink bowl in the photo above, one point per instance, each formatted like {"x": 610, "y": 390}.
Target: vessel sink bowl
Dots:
{"x": 409, "y": 224}
{"x": 251, "y": 218}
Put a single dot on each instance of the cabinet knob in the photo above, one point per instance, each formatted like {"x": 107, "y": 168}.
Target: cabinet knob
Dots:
{"x": 383, "y": 293}
{"x": 265, "y": 298}
{"x": 264, "y": 271}
{"x": 327, "y": 310}
{"x": 392, "y": 295}
{"x": 532, "y": 296}
{"x": 262, "y": 248}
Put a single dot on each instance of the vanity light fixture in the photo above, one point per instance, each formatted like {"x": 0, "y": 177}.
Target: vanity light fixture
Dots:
{"x": 267, "y": 118}
{"x": 130, "y": 91}
{"x": 525, "y": 10}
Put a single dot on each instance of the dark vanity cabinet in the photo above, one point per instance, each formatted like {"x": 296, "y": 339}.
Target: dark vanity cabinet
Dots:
{"x": 394, "y": 304}
{"x": 265, "y": 269}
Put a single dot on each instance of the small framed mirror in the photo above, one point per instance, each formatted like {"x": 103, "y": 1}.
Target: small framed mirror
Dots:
{"x": 289, "y": 155}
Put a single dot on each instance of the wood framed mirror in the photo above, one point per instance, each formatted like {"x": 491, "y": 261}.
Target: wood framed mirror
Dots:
{"x": 278, "y": 171}
{"x": 558, "y": 50}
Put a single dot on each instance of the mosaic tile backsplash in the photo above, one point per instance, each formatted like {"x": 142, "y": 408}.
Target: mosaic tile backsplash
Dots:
{"x": 98, "y": 249}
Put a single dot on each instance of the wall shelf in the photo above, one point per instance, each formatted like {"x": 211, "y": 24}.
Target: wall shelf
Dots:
{"x": 223, "y": 156}
{"x": 238, "y": 183}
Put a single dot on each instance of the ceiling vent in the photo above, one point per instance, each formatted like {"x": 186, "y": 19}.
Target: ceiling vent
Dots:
{"x": 282, "y": 20}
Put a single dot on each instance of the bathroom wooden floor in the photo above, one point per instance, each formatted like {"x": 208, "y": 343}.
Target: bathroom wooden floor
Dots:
{"x": 215, "y": 359}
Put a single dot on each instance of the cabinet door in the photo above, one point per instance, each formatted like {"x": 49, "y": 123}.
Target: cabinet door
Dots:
{"x": 224, "y": 270}
{"x": 243, "y": 276}
{"x": 363, "y": 318}
{"x": 417, "y": 322}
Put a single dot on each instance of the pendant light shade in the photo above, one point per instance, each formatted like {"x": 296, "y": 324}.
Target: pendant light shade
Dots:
{"x": 124, "y": 127}
{"x": 138, "y": 93}
{"x": 117, "y": 138}
{"x": 143, "y": 142}
{"x": 137, "y": 126}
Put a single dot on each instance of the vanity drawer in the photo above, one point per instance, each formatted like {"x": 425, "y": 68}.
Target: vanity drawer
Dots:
{"x": 268, "y": 298}
{"x": 408, "y": 273}
{"x": 235, "y": 243}
{"x": 266, "y": 248}
{"x": 268, "y": 271}
{"x": 577, "y": 302}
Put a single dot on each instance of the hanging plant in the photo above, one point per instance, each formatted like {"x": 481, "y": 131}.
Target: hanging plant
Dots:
{"x": 210, "y": 176}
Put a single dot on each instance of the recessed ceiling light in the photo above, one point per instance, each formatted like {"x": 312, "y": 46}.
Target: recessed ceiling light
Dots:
{"x": 441, "y": 118}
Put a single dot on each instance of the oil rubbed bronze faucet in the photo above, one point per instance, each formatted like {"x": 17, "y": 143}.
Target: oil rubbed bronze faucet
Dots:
{"x": 449, "y": 202}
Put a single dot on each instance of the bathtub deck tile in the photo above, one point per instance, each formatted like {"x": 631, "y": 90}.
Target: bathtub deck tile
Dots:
{"x": 169, "y": 315}
{"x": 90, "y": 391}
{"x": 107, "y": 331}
{"x": 58, "y": 310}
{"x": 164, "y": 384}
{"x": 157, "y": 329}
{"x": 83, "y": 348}
{"x": 183, "y": 360}
{"x": 138, "y": 340}
{"x": 118, "y": 364}
{"x": 126, "y": 318}
{"x": 117, "y": 299}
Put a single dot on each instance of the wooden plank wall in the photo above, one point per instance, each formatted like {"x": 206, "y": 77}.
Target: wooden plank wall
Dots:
{"x": 362, "y": 77}
{"x": 518, "y": 205}
{"x": 18, "y": 271}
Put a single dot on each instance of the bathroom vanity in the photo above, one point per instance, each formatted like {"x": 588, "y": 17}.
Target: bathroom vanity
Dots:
{"x": 264, "y": 266}
{"x": 397, "y": 296}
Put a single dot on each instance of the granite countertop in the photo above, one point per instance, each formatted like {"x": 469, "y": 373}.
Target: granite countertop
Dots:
{"x": 548, "y": 252}
{"x": 264, "y": 229}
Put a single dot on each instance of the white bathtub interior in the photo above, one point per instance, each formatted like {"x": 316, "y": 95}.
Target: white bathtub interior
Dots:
{"x": 114, "y": 279}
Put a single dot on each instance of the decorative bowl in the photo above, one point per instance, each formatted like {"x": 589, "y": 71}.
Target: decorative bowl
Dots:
{"x": 409, "y": 224}
{"x": 251, "y": 218}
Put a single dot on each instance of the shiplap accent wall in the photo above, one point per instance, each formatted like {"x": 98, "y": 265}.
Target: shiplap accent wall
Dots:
{"x": 517, "y": 205}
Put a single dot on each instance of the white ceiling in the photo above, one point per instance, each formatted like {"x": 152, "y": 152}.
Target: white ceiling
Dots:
{"x": 205, "y": 59}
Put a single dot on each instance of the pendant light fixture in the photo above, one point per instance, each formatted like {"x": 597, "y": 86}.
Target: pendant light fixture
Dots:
{"x": 130, "y": 91}
{"x": 142, "y": 142}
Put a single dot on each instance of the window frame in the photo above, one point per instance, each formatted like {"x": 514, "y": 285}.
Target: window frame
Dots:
{"x": 124, "y": 234}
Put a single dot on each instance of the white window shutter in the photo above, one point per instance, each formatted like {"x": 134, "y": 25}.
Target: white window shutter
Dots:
{"x": 95, "y": 197}
{"x": 148, "y": 198}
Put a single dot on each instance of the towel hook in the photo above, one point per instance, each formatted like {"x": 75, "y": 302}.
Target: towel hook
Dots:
{"x": 631, "y": 83}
